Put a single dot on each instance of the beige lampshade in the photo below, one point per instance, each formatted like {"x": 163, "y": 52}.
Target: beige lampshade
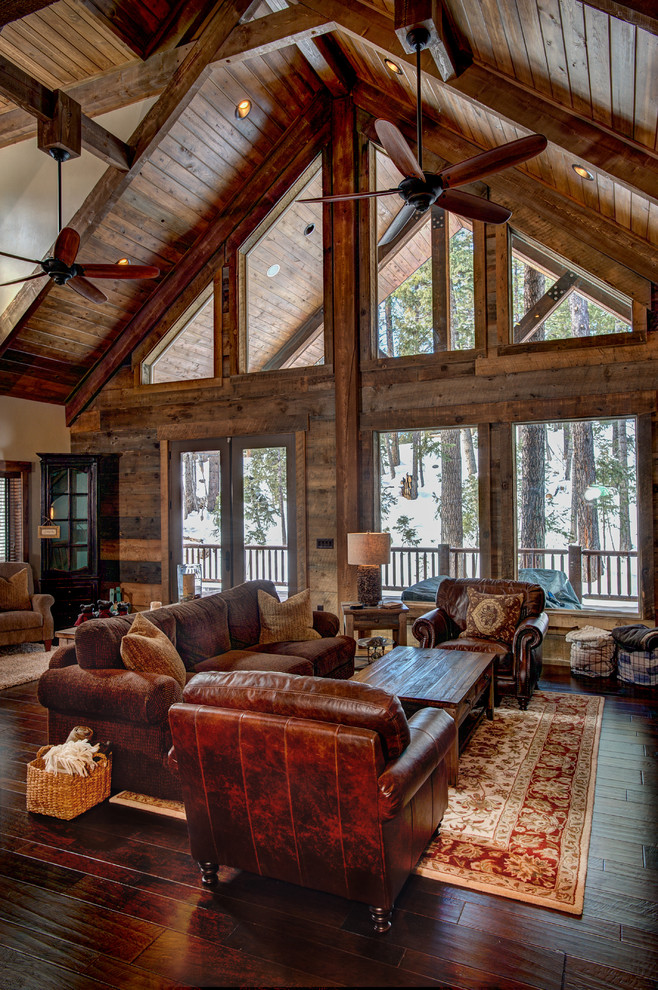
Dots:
{"x": 368, "y": 548}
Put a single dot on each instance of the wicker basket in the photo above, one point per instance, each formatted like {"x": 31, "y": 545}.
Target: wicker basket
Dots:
{"x": 592, "y": 652}
{"x": 638, "y": 667}
{"x": 65, "y": 795}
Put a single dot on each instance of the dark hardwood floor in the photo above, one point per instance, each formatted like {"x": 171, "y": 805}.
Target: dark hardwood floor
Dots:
{"x": 113, "y": 899}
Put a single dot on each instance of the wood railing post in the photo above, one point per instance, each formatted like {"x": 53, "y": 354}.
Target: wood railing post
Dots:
{"x": 444, "y": 559}
{"x": 576, "y": 569}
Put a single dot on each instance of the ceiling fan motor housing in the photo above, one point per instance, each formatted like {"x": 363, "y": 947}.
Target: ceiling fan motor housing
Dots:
{"x": 59, "y": 272}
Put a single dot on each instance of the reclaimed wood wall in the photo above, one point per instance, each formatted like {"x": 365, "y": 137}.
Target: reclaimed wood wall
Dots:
{"x": 336, "y": 409}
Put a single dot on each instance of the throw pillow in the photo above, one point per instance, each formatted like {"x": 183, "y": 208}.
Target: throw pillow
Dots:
{"x": 14, "y": 596}
{"x": 146, "y": 648}
{"x": 289, "y": 621}
{"x": 492, "y": 616}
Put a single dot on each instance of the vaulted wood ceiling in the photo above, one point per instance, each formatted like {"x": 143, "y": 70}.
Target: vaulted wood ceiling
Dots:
{"x": 583, "y": 74}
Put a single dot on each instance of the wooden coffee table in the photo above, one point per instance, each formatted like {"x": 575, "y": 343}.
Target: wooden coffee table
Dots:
{"x": 450, "y": 679}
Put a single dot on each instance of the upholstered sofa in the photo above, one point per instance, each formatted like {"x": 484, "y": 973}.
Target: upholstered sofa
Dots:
{"x": 88, "y": 683}
{"x": 518, "y": 653}
{"x": 317, "y": 782}
{"x": 32, "y": 624}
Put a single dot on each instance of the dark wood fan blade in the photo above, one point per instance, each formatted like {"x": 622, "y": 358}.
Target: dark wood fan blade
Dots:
{"x": 28, "y": 278}
{"x": 338, "y": 196}
{"x": 472, "y": 207}
{"x": 492, "y": 161}
{"x": 119, "y": 271}
{"x": 398, "y": 224}
{"x": 18, "y": 257}
{"x": 397, "y": 149}
{"x": 66, "y": 245}
{"x": 87, "y": 289}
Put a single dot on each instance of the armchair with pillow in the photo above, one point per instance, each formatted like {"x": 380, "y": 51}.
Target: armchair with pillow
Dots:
{"x": 490, "y": 615}
{"x": 25, "y": 617}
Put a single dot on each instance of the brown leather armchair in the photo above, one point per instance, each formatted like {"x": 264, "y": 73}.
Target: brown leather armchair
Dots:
{"x": 318, "y": 782}
{"x": 519, "y": 661}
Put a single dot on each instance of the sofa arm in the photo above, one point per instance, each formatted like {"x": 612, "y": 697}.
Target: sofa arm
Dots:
{"x": 432, "y": 736}
{"x": 125, "y": 695}
{"x": 432, "y": 628}
{"x": 326, "y": 623}
{"x": 42, "y": 605}
{"x": 530, "y": 633}
{"x": 64, "y": 656}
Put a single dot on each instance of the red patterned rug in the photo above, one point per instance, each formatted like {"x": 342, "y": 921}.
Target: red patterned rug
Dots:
{"x": 518, "y": 823}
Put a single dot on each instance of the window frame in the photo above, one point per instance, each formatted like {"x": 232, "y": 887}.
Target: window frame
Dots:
{"x": 21, "y": 470}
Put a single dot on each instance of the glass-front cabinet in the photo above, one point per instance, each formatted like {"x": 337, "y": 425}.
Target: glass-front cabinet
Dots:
{"x": 69, "y": 561}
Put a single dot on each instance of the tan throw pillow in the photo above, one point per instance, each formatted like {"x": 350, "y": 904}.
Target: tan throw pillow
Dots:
{"x": 492, "y": 616}
{"x": 289, "y": 621}
{"x": 146, "y": 648}
{"x": 14, "y": 596}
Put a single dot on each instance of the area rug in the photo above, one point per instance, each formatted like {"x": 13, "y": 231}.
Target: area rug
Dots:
{"x": 20, "y": 664}
{"x": 518, "y": 822}
{"x": 158, "y": 806}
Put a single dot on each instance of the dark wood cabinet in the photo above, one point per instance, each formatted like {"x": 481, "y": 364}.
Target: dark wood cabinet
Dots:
{"x": 70, "y": 561}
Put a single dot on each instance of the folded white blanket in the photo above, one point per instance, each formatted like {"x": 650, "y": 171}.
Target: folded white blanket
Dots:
{"x": 74, "y": 757}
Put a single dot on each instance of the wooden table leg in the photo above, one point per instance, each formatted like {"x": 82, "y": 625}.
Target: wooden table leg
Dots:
{"x": 490, "y": 698}
{"x": 452, "y": 760}
{"x": 402, "y": 629}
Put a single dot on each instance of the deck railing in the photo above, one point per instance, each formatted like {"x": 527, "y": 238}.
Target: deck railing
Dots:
{"x": 595, "y": 575}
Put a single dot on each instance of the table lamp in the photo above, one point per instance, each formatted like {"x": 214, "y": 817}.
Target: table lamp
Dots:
{"x": 368, "y": 551}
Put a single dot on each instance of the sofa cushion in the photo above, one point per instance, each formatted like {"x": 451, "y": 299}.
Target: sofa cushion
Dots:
{"x": 201, "y": 628}
{"x": 14, "y": 595}
{"x": 294, "y": 696}
{"x": 13, "y": 621}
{"x": 243, "y": 614}
{"x": 147, "y": 648}
{"x": 98, "y": 641}
{"x": 327, "y": 654}
{"x": 252, "y": 660}
{"x": 289, "y": 621}
{"x": 492, "y": 616}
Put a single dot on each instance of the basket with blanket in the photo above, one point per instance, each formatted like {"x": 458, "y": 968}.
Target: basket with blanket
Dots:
{"x": 637, "y": 654}
{"x": 66, "y": 780}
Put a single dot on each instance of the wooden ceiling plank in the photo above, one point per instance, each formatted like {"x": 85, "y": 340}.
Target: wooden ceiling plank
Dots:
{"x": 624, "y": 160}
{"x": 301, "y": 139}
{"x": 641, "y": 13}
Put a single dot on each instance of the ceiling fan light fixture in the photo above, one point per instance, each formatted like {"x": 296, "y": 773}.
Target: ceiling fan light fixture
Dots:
{"x": 243, "y": 109}
{"x": 583, "y": 172}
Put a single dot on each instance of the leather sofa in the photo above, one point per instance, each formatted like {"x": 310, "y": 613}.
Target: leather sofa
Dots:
{"x": 518, "y": 662}
{"x": 33, "y": 625}
{"x": 87, "y": 683}
{"x": 320, "y": 783}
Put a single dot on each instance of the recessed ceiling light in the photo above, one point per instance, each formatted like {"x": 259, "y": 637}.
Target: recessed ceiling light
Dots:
{"x": 273, "y": 270}
{"x": 123, "y": 261}
{"x": 583, "y": 172}
{"x": 243, "y": 109}
{"x": 392, "y": 66}
{"x": 308, "y": 229}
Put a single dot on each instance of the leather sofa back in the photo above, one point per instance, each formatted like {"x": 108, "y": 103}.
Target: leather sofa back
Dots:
{"x": 452, "y": 596}
{"x": 347, "y": 703}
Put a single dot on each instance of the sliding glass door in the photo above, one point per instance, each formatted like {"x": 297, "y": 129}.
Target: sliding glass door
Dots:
{"x": 232, "y": 511}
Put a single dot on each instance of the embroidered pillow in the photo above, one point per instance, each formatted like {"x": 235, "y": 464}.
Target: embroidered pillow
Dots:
{"x": 146, "y": 648}
{"x": 14, "y": 595}
{"x": 289, "y": 621}
{"x": 492, "y": 616}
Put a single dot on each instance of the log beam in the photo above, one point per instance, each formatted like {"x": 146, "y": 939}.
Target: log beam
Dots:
{"x": 542, "y": 309}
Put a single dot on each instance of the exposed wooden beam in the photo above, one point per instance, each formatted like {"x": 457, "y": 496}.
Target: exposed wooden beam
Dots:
{"x": 512, "y": 187}
{"x": 450, "y": 54}
{"x": 331, "y": 67}
{"x": 42, "y": 103}
{"x": 290, "y": 156}
{"x": 635, "y": 166}
{"x": 301, "y": 336}
{"x": 540, "y": 311}
{"x": 182, "y": 87}
{"x": 113, "y": 17}
{"x": 640, "y": 13}
{"x": 12, "y": 10}
{"x": 278, "y": 30}
{"x": 104, "y": 92}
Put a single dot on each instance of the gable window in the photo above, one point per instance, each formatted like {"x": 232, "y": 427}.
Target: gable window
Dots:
{"x": 282, "y": 275}
{"x": 426, "y": 301}
{"x": 577, "y": 512}
{"x": 554, "y": 300}
{"x": 187, "y": 351}
{"x": 14, "y": 510}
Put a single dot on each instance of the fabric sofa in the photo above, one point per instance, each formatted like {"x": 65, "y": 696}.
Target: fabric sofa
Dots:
{"x": 320, "y": 783}
{"x": 26, "y": 625}
{"x": 87, "y": 683}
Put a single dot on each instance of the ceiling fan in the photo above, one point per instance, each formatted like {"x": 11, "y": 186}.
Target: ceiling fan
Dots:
{"x": 62, "y": 267}
{"x": 419, "y": 189}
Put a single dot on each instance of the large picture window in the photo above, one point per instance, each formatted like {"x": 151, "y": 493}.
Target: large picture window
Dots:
{"x": 428, "y": 482}
{"x": 14, "y": 510}
{"x": 577, "y": 511}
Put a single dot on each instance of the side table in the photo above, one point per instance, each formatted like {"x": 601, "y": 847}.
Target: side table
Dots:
{"x": 377, "y": 617}
{"x": 66, "y": 636}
